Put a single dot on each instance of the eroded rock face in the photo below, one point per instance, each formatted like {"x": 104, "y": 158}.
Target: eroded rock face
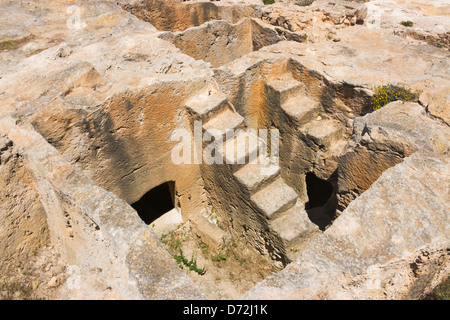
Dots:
{"x": 378, "y": 248}
{"x": 317, "y": 18}
{"x": 105, "y": 252}
{"x": 176, "y": 15}
{"x": 87, "y": 126}
{"x": 383, "y": 139}
{"x": 24, "y": 228}
{"x": 220, "y": 42}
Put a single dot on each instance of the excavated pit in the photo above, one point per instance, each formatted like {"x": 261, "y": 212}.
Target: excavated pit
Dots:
{"x": 228, "y": 211}
{"x": 179, "y": 16}
{"x": 220, "y": 42}
{"x": 278, "y": 214}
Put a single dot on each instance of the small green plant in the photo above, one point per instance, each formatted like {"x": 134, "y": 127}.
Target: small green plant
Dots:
{"x": 389, "y": 93}
{"x": 227, "y": 249}
{"x": 204, "y": 247}
{"x": 221, "y": 256}
{"x": 407, "y": 23}
{"x": 182, "y": 261}
{"x": 175, "y": 238}
{"x": 268, "y": 1}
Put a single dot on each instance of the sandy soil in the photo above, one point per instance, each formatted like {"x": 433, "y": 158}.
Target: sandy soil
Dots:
{"x": 229, "y": 273}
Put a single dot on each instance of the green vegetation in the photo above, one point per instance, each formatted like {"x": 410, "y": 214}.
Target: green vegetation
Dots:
{"x": 229, "y": 249}
{"x": 174, "y": 241}
{"x": 232, "y": 260}
{"x": 389, "y": 93}
{"x": 407, "y": 23}
{"x": 220, "y": 256}
{"x": 268, "y": 1}
{"x": 226, "y": 250}
{"x": 204, "y": 247}
{"x": 190, "y": 264}
{"x": 214, "y": 218}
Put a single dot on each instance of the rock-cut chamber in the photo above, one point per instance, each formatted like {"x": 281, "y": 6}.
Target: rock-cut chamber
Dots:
{"x": 156, "y": 202}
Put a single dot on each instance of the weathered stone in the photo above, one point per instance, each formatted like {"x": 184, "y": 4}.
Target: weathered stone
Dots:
{"x": 376, "y": 248}
{"x": 93, "y": 95}
{"x": 129, "y": 253}
{"x": 381, "y": 140}
{"x": 54, "y": 282}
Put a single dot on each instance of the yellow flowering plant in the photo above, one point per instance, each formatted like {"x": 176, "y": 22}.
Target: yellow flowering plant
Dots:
{"x": 388, "y": 93}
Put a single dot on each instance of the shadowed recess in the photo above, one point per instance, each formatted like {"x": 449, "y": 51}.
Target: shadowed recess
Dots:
{"x": 319, "y": 191}
{"x": 155, "y": 202}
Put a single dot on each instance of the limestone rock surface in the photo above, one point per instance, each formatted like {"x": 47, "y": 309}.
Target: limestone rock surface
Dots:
{"x": 94, "y": 95}
{"x": 378, "y": 248}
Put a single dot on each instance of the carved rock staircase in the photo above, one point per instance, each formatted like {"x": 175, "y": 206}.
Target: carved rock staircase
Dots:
{"x": 269, "y": 194}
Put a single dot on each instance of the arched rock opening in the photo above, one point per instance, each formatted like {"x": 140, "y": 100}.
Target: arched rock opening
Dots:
{"x": 156, "y": 202}
{"x": 319, "y": 191}
{"x": 321, "y": 205}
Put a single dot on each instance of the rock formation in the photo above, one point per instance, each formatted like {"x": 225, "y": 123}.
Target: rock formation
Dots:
{"x": 99, "y": 98}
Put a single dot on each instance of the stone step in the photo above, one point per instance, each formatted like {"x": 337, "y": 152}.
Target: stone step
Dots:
{"x": 301, "y": 109}
{"x": 324, "y": 132}
{"x": 225, "y": 120}
{"x": 206, "y": 104}
{"x": 294, "y": 227}
{"x": 167, "y": 222}
{"x": 209, "y": 232}
{"x": 255, "y": 176}
{"x": 338, "y": 148}
{"x": 286, "y": 86}
{"x": 241, "y": 149}
{"x": 274, "y": 198}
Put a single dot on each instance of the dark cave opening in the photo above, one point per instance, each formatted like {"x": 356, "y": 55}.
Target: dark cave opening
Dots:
{"x": 319, "y": 191}
{"x": 156, "y": 202}
{"x": 321, "y": 207}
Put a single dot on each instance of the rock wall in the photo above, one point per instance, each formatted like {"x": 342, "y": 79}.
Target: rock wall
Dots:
{"x": 383, "y": 139}
{"x": 179, "y": 16}
{"x": 24, "y": 229}
{"x": 124, "y": 147}
{"x": 110, "y": 253}
{"x": 380, "y": 248}
{"x": 88, "y": 112}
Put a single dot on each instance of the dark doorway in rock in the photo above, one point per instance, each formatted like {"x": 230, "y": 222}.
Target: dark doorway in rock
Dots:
{"x": 156, "y": 202}
{"x": 321, "y": 207}
{"x": 319, "y": 191}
